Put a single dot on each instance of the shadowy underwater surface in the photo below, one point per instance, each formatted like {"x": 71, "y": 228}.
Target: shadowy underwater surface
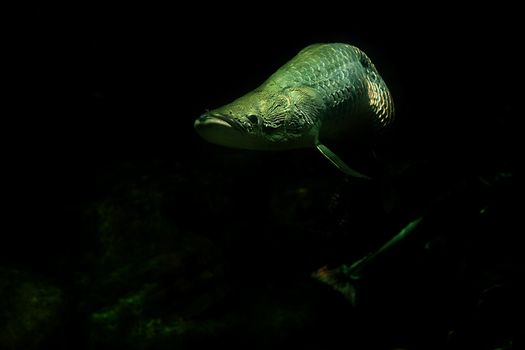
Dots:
{"x": 122, "y": 229}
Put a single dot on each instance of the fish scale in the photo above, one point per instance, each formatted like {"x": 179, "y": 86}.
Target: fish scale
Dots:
{"x": 325, "y": 91}
{"x": 333, "y": 70}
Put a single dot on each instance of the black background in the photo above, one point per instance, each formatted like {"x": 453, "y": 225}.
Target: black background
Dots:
{"x": 90, "y": 87}
{"x": 95, "y": 85}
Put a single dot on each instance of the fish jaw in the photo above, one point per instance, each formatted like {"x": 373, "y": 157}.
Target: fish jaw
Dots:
{"x": 221, "y": 130}
{"x": 207, "y": 120}
{"x": 230, "y": 131}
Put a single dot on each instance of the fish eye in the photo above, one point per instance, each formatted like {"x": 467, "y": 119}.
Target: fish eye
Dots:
{"x": 253, "y": 119}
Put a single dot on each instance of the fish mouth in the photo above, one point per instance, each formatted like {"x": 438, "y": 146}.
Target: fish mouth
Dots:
{"x": 221, "y": 129}
{"x": 215, "y": 119}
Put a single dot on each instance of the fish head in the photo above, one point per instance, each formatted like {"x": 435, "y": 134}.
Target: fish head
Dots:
{"x": 257, "y": 121}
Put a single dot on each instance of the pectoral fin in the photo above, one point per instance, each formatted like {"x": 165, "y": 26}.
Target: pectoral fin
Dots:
{"x": 332, "y": 157}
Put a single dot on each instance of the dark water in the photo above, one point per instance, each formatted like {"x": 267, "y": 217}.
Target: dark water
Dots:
{"x": 123, "y": 229}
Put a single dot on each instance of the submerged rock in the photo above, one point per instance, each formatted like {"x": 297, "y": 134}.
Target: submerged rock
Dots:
{"x": 31, "y": 310}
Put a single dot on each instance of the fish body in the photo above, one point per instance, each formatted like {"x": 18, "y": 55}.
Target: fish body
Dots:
{"x": 326, "y": 91}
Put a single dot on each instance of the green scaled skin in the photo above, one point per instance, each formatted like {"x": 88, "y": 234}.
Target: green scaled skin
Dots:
{"x": 326, "y": 91}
